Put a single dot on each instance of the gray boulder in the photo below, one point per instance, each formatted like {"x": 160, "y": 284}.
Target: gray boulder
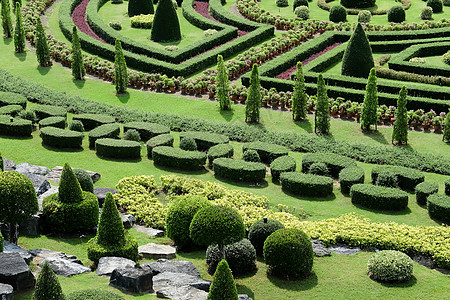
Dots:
{"x": 52, "y": 190}
{"x": 134, "y": 280}
{"x": 101, "y": 194}
{"x": 156, "y": 251}
{"x": 174, "y": 285}
{"x": 94, "y": 175}
{"x": 42, "y": 254}
{"x": 173, "y": 266}
{"x": 106, "y": 265}
{"x": 65, "y": 267}
{"x": 6, "y": 291}
{"x": 32, "y": 225}
{"x": 40, "y": 183}
{"x": 26, "y": 168}
{"x": 150, "y": 231}
{"x": 344, "y": 249}
{"x": 9, "y": 165}
{"x": 13, "y": 248}
{"x": 319, "y": 249}
{"x": 423, "y": 260}
{"x": 244, "y": 297}
{"x": 55, "y": 174}
{"x": 128, "y": 221}
{"x": 182, "y": 293}
{"x": 15, "y": 272}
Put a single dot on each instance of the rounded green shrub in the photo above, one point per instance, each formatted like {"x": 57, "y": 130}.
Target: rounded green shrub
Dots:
{"x": 266, "y": 151}
{"x": 223, "y": 285}
{"x": 358, "y": 3}
{"x": 251, "y": 155}
{"x": 76, "y": 125}
{"x": 378, "y": 197}
{"x": 298, "y": 3}
{"x": 358, "y": 58}
{"x": 11, "y": 110}
{"x": 147, "y": 130}
{"x": 178, "y": 158}
{"x": 220, "y": 151}
{"x": 91, "y": 121}
{"x": 204, "y": 139}
{"x": 426, "y": 13}
{"x": 240, "y": 256}
{"x": 439, "y": 208}
{"x": 58, "y": 122}
{"x": 302, "y": 12}
{"x": 60, "y": 138}
{"x": 166, "y": 26}
{"x": 239, "y": 170}
{"x": 94, "y": 295}
{"x": 69, "y": 188}
{"x": 188, "y": 144}
{"x": 319, "y": 168}
{"x": 306, "y": 184}
{"x": 289, "y": 254}
{"x": 84, "y": 179}
{"x": 18, "y": 127}
{"x": 260, "y": 230}
{"x": 425, "y": 189}
{"x": 350, "y": 176}
{"x": 132, "y": 135}
{"x": 364, "y": 16}
{"x": 390, "y": 266}
{"x": 280, "y": 165}
{"x": 45, "y": 111}
{"x": 159, "y": 140}
{"x": 387, "y": 179}
{"x": 118, "y": 148}
{"x": 407, "y": 178}
{"x": 436, "y": 5}
{"x": 282, "y": 3}
{"x": 140, "y": 7}
{"x": 396, "y": 14}
{"x": 334, "y": 162}
{"x": 446, "y": 58}
{"x": 103, "y": 131}
{"x": 47, "y": 285}
{"x": 446, "y": 2}
{"x": 7, "y": 98}
{"x": 338, "y": 13}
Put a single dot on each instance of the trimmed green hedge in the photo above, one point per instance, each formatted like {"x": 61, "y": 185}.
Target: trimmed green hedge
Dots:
{"x": 350, "y": 176}
{"x": 60, "y": 138}
{"x": 94, "y": 295}
{"x": 12, "y": 110}
{"x": 177, "y": 158}
{"x": 224, "y": 16}
{"x": 447, "y": 187}
{"x": 159, "y": 140}
{"x": 103, "y": 131}
{"x": 425, "y": 189}
{"x": 306, "y": 184}
{"x": 18, "y": 127}
{"x": 8, "y": 98}
{"x": 59, "y": 122}
{"x": 113, "y": 148}
{"x": 218, "y": 151}
{"x": 378, "y": 197}
{"x": 280, "y": 165}
{"x": 239, "y": 170}
{"x": 267, "y": 152}
{"x": 334, "y": 162}
{"x": 146, "y": 130}
{"x": 407, "y": 178}
{"x": 205, "y": 140}
{"x": 129, "y": 250}
{"x": 439, "y": 208}
{"x": 91, "y": 121}
{"x": 45, "y": 111}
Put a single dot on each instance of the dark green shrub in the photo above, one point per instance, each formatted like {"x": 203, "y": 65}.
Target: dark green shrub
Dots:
{"x": 259, "y": 231}
{"x": 364, "y": 16}
{"x": 91, "y": 121}
{"x": 218, "y": 151}
{"x": 223, "y": 285}
{"x": 319, "y": 168}
{"x": 282, "y": 3}
{"x": 280, "y": 165}
{"x": 334, "y": 162}
{"x": 178, "y": 158}
{"x": 132, "y": 135}
{"x": 117, "y": 148}
{"x": 267, "y": 152}
{"x": 298, "y": 3}
{"x": 188, "y": 144}
{"x": 27, "y": 115}
{"x": 447, "y": 187}
{"x": 387, "y": 179}
{"x": 116, "y": 25}
{"x": 251, "y": 155}
{"x": 18, "y": 127}
{"x": 302, "y": 12}
{"x": 69, "y": 188}
{"x": 84, "y": 179}
{"x": 60, "y": 138}
{"x": 7, "y": 98}
{"x": 396, "y": 14}
{"x": 239, "y": 170}
{"x": 11, "y": 110}
{"x": 147, "y": 130}
{"x": 350, "y": 176}
{"x": 76, "y": 125}
{"x": 47, "y": 285}
{"x": 58, "y": 122}
{"x": 439, "y": 208}
{"x": 289, "y": 254}
{"x": 378, "y": 197}
{"x": 407, "y": 178}
{"x": 103, "y": 131}
{"x": 179, "y": 217}
{"x": 425, "y": 189}
{"x": 166, "y": 26}
{"x": 159, "y": 140}
{"x": 390, "y": 266}
{"x": 94, "y": 295}
{"x": 128, "y": 250}
{"x": 140, "y": 7}
{"x": 358, "y": 3}
{"x": 306, "y": 184}
{"x": 1, "y": 242}
{"x": 426, "y": 13}
{"x": 205, "y": 140}
{"x": 358, "y": 59}
{"x": 45, "y": 111}
{"x": 240, "y": 256}
{"x": 338, "y": 13}
{"x": 2, "y": 166}
{"x": 436, "y": 5}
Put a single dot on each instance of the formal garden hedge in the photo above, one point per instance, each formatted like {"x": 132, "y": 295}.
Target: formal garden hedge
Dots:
{"x": 350, "y": 176}
{"x": 439, "y": 208}
{"x": 378, "y": 197}
{"x": 159, "y": 140}
{"x": 114, "y": 148}
{"x": 424, "y": 190}
{"x": 146, "y": 130}
{"x": 91, "y": 121}
{"x": 218, "y": 151}
{"x": 239, "y": 170}
{"x": 58, "y": 122}
{"x": 103, "y": 131}
{"x": 11, "y": 110}
{"x": 280, "y": 165}
{"x": 45, "y": 111}
{"x": 94, "y": 295}
{"x": 18, "y": 127}
{"x": 306, "y": 184}
{"x": 176, "y": 158}
{"x": 407, "y": 178}
{"x": 267, "y": 152}
{"x": 335, "y": 163}
{"x": 60, "y": 138}
{"x": 447, "y": 187}
{"x": 8, "y": 98}
{"x": 205, "y": 140}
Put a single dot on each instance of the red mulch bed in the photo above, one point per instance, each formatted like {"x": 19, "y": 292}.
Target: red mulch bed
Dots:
{"x": 79, "y": 18}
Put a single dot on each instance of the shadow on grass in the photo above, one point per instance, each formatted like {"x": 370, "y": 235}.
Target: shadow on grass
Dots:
{"x": 180, "y": 171}
{"x": 312, "y": 199}
{"x": 259, "y": 185}
{"x": 10, "y": 137}
{"x": 227, "y": 114}
{"x": 124, "y": 97}
{"x": 7, "y": 41}
{"x": 21, "y": 56}
{"x": 54, "y": 149}
{"x": 405, "y": 211}
{"x": 305, "y": 125}
{"x": 242, "y": 289}
{"x": 79, "y": 83}
{"x": 408, "y": 283}
{"x": 43, "y": 70}
{"x": 376, "y": 136}
{"x": 122, "y": 160}
{"x": 295, "y": 285}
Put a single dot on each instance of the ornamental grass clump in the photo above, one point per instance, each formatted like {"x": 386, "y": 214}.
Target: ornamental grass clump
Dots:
{"x": 390, "y": 266}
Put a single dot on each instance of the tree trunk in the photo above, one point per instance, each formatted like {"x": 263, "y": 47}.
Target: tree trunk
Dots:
{"x": 222, "y": 251}
{"x": 13, "y": 235}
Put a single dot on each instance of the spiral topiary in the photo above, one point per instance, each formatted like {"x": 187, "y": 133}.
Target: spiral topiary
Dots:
{"x": 84, "y": 179}
{"x": 396, "y": 14}
{"x": 241, "y": 257}
{"x": 387, "y": 179}
{"x": 251, "y": 155}
{"x": 338, "y": 13}
{"x": 319, "y": 169}
{"x": 390, "y": 266}
{"x": 188, "y": 144}
{"x": 260, "y": 230}
{"x": 436, "y": 5}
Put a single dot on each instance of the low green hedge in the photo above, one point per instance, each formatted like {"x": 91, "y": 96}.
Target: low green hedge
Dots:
{"x": 378, "y": 197}
{"x": 239, "y": 170}
{"x": 306, "y": 184}
{"x": 159, "y": 140}
{"x": 129, "y": 250}
{"x": 218, "y": 151}
{"x": 60, "y": 138}
{"x": 114, "y": 148}
{"x": 350, "y": 176}
{"x": 447, "y": 187}
{"x": 91, "y": 121}
{"x": 8, "y": 98}
{"x": 266, "y": 151}
{"x": 407, "y": 178}
{"x": 59, "y": 122}
{"x": 45, "y": 111}
{"x": 205, "y": 140}
{"x": 335, "y": 163}
{"x": 18, "y": 127}
{"x": 146, "y": 130}
{"x": 94, "y": 295}
{"x": 176, "y": 158}
{"x": 439, "y": 208}
{"x": 12, "y": 110}
{"x": 103, "y": 131}
{"x": 280, "y": 165}
{"x": 425, "y": 189}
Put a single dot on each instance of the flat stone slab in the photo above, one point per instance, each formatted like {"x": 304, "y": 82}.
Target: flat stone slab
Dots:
{"x": 65, "y": 267}
{"x": 150, "y": 231}
{"x": 6, "y": 291}
{"x": 100, "y": 193}
{"x": 13, "y": 248}
{"x": 55, "y": 174}
{"x": 344, "y": 249}
{"x": 42, "y": 254}
{"x": 182, "y": 293}
{"x": 172, "y": 281}
{"x": 52, "y": 190}
{"x": 40, "y": 183}
{"x": 174, "y": 266}
{"x": 319, "y": 249}
{"x": 156, "y": 251}
{"x": 9, "y": 165}
{"x": 106, "y": 265}
{"x": 135, "y": 280}
{"x": 32, "y": 169}
{"x": 15, "y": 272}
{"x": 244, "y": 297}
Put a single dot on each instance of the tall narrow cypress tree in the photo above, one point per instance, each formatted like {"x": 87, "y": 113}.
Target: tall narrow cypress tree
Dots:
{"x": 322, "y": 117}
{"x": 253, "y": 102}
{"x": 19, "y": 31}
{"x": 78, "y": 70}
{"x": 299, "y": 95}
{"x": 400, "y": 132}
{"x": 223, "y": 85}
{"x": 120, "y": 70}
{"x": 42, "y": 51}
{"x": 6, "y": 19}
{"x": 369, "y": 111}
{"x": 446, "y": 136}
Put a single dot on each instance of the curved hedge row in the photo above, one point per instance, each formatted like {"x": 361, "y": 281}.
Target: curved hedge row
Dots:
{"x": 266, "y": 151}
{"x": 306, "y": 184}
{"x": 280, "y": 165}
{"x": 146, "y": 130}
{"x": 447, "y": 187}
{"x": 113, "y": 148}
{"x": 12, "y": 109}
{"x": 8, "y": 98}
{"x": 205, "y": 140}
{"x": 335, "y": 162}
{"x": 60, "y": 138}
{"x": 219, "y": 151}
{"x": 378, "y": 197}
{"x": 239, "y": 170}
{"x": 439, "y": 208}
{"x": 159, "y": 140}
{"x": 18, "y": 127}
{"x": 407, "y": 178}
{"x": 219, "y": 13}
{"x": 425, "y": 189}
{"x": 103, "y": 131}
{"x": 176, "y": 158}
{"x": 91, "y": 121}
{"x": 58, "y": 122}
{"x": 350, "y": 176}
{"x": 45, "y": 111}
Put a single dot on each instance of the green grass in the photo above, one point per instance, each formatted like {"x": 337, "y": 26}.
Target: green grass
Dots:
{"x": 435, "y": 61}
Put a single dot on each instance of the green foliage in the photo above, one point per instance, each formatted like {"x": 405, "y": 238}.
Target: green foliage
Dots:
{"x": 387, "y": 179}
{"x": 47, "y": 285}
{"x": 396, "y": 14}
{"x": 60, "y": 138}
{"x": 218, "y": 151}
{"x": 91, "y": 121}
{"x": 78, "y": 70}
{"x": 94, "y": 295}
{"x": 253, "y": 102}
{"x": 322, "y": 116}
{"x": 128, "y": 250}
{"x": 302, "y": 12}
{"x": 84, "y": 179}
{"x": 298, "y": 3}
{"x": 436, "y": 5}
{"x": 140, "y": 7}
{"x": 19, "y": 33}
{"x": 76, "y": 125}
{"x": 58, "y": 122}
{"x": 350, "y": 176}
{"x": 2, "y": 166}
{"x": 390, "y": 266}
{"x": 267, "y": 152}
{"x": 400, "y": 131}
{"x": 358, "y": 3}
{"x": 103, "y": 131}
{"x": 334, "y": 162}
{"x": 319, "y": 168}
{"x": 239, "y": 170}
{"x": 251, "y": 155}
{"x": 69, "y": 188}
{"x": 178, "y": 158}
{"x": 159, "y": 140}
{"x": 280, "y": 165}
{"x": 204, "y": 139}
{"x": 446, "y": 136}
{"x": 6, "y": 19}
{"x": 364, "y": 16}
{"x": 425, "y": 189}
{"x": 407, "y": 178}
{"x": 369, "y": 112}
{"x": 289, "y": 254}
{"x": 166, "y": 26}
{"x": 240, "y": 256}
{"x": 147, "y": 130}
{"x": 223, "y": 85}
{"x": 259, "y": 231}
{"x": 439, "y": 208}
{"x": 426, "y": 13}
{"x": 45, "y": 111}
{"x": 7, "y": 98}
{"x": 447, "y": 187}
{"x": 120, "y": 69}
{"x": 11, "y": 110}
{"x": 306, "y": 184}
{"x": 107, "y": 147}
{"x": 358, "y": 59}
{"x": 338, "y": 13}
{"x": 42, "y": 51}
{"x": 110, "y": 228}
{"x": 132, "y": 135}
{"x": 188, "y": 144}
{"x": 18, "y": 127}
{"x": 299, "y": 95}
{"x": 223, "y": 286}
{"x": 141, "y": 21}
{"x": 379, "y": 197}
{"x": 282, "y": 3}
{"x": 27, "y": 115}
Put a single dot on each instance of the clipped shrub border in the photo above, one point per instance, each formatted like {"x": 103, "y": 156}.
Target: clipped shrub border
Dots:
{"x": 146, "y": 130}
{"x": 12, "y": 110}
{"x": 335, "y": 162}
{"x": 91, "y": 121}
{"x": 378, "y": 197}
{"x": 114, "y": 148}
{"x": 58, "y": 122}
{"x": 267, "y": 152}
{"x": 176, "y": 158}
{"x": 239, "y": 170}
{"x": 407, "y": 178}
{"x": 306, "y": 184}
{"x": 103, "y": 131}
{"x": 8, "y": 98}
{"x": 18, "y": 127}
{"x": 159, "y": 140}
{"x": 280, "y": 165}
{"x": 439, "y": 208}
{"x": 45, "y": 111}
{"x": 350, "y": 176}
{"x": 219, "y": 151}
{"x": 447, "y": 187}
{"x": 424, "y": 190}
{"x": 205, "y": 140}
{"x": 60, "y": 138}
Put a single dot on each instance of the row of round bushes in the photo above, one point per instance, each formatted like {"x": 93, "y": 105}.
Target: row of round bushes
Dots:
{"x": 378, "y": 197}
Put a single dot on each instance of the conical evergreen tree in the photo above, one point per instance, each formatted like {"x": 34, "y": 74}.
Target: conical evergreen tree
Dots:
{"x": 322, "y": 117}
{"x": 78, "y": 70}
{"x": 69, "y": 188}
{"x": 166, "y": 26}
{"x": 6, "y": 19}
{"x": 140, "y": 7}
{"x": 253, "y": 102}
{"x": 19, "y": 32}
{"x": 358, "y": 59}
{"x": 369, "y": 111}
{"x": 120, "y": 70}
{"x": 47, "y": 285}
{"x": 400, "y": 131}
{"x": 446, "y": 136}
{"x": 223, "y": 286}
{"x": 42, "y": 52}
{"x": 223, "y": 85}
{"x": 110, "y": 228}
{"x": 299, "y": 95}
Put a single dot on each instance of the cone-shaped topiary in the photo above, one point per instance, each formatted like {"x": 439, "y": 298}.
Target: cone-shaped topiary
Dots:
{"x": 19, "y": 31}
{"x": 78, "y": 70}
{"x": 400, "y": 131}
{"x": 110, "y": 228}
{"x": 358, "y": 59}
{"x": 299, "y": 95}
{"x": 369, "y": 112}
{"x": 140, "y": 7}
{"x": 223, "y": 85}
{"x": 47, "y": 285}
{"x": 446, "y": 136}
{"x": 322, "y": 116}
{"x": 253, "y": 102}
{"x": 69, "y": 188}
{"x": 42, "y": 51}
{"x": 223, "y": 286}
{"x": 6, "y": 19}
{"x": 166, "y": 26}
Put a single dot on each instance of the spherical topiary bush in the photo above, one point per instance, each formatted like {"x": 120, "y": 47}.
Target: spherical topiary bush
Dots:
{"x": 338, "y": 14}
{"x": 436, "y": 5}
{"x": 319, "y": 169}
{"x": 396, "y": 14}
{"x": 288, "y": 253}
{"x": 179, "y": 217}
{"x": 241, "y": 257}
{"x": 76, "y": 125}
{"x": 364, "y": 16}
{"x": 446, "y": 58}
{"x": 426, "y": 13}
{"x": 387, "y": 179}
{"x": 282, "y": 3}
{"x": 188, "y": 144}
{"x": 446, "y": 2}
{"x": 132, "y": 135}
{"x": 302, "y": 12}
{"x": 358, "y": 3}
{"x": 251, "y": 155}
{"x": 84, "y": 179}
{"x": 298, "y": 3}
{"x": 390, "y": 266}
{"x": 260, "y": 230}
